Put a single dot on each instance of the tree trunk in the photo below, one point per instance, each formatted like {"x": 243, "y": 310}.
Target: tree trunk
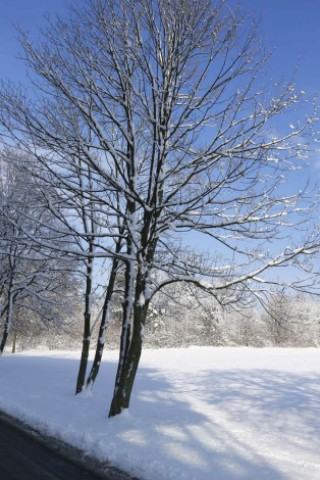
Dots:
{"x": 132, "y": 331}
{"x": 8, "y": 322}
{"x": 126, "y": 375}
{"x": 14, "y": 342}
{"x": 3, "y": 341}
{"x": 103, "y": 327}
{"x": 122, "y": 395}
{"x": 86, "y": 331}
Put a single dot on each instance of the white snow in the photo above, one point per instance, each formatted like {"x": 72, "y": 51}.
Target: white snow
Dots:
{"x": 197, "y": 414}
{"x": 141, "y": 300}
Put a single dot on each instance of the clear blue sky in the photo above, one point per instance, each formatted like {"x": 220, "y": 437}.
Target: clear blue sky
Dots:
{"x": 291, "y": 28}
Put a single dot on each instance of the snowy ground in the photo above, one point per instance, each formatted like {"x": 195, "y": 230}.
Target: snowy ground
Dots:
{"x": 197, "y": 413}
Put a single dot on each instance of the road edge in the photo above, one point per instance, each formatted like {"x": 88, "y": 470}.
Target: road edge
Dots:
{"x": 105, "y": 470}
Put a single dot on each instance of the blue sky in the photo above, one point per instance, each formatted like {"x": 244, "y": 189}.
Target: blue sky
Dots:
{"x": 290, "y": 28}
{"x": 29, "y": 15}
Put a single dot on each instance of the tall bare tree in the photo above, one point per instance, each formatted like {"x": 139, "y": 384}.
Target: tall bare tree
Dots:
{"x": 184, "y": 136}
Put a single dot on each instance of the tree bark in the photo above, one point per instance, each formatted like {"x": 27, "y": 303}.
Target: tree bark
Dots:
{"x": 86, "y": 331}
{"x": 8, "y": 322}
{"x": 3, "y": 341}
{"x": 103, "y": 327}
{"x": 14, "y": 342}
{"x": 122, "y": 395}
{"x": 128, "y": 368}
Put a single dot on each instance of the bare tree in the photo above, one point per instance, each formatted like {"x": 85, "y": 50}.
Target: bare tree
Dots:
{"x": 291, "y": 320}
{"x": 32, "y": 279}
{"x": 184, "y": 136}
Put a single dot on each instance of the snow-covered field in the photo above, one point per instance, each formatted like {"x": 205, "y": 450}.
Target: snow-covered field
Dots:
{"x": 197, "y": 413}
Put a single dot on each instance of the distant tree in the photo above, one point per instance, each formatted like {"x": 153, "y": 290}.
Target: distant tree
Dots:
{"x": 33, "y": 280}
{"x": 292, "y": 320}
{"x": 306, "y": 322}
{"x": 278, "y": 318}
{"x": 177, "y": 128}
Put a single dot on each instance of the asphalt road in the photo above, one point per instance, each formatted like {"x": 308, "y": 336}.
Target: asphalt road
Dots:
{"x": 22, "y": 457}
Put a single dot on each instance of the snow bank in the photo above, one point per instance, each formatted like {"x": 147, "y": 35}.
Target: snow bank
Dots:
{"x": 198, "y": 413}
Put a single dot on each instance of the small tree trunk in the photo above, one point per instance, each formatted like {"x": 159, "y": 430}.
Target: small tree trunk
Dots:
{"x": 83, "y": 364}
{"x": 3, "y": 341}
{"x": 8, "y": 322}
{"x": 99, "y": 349}
{"x": 103, "y": 327}
{"x": 86, "y": 331}
{"x": 14, "y": 342}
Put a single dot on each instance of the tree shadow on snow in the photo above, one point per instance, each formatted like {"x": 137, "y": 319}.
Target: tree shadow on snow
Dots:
{"x": 231, "y": 422}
